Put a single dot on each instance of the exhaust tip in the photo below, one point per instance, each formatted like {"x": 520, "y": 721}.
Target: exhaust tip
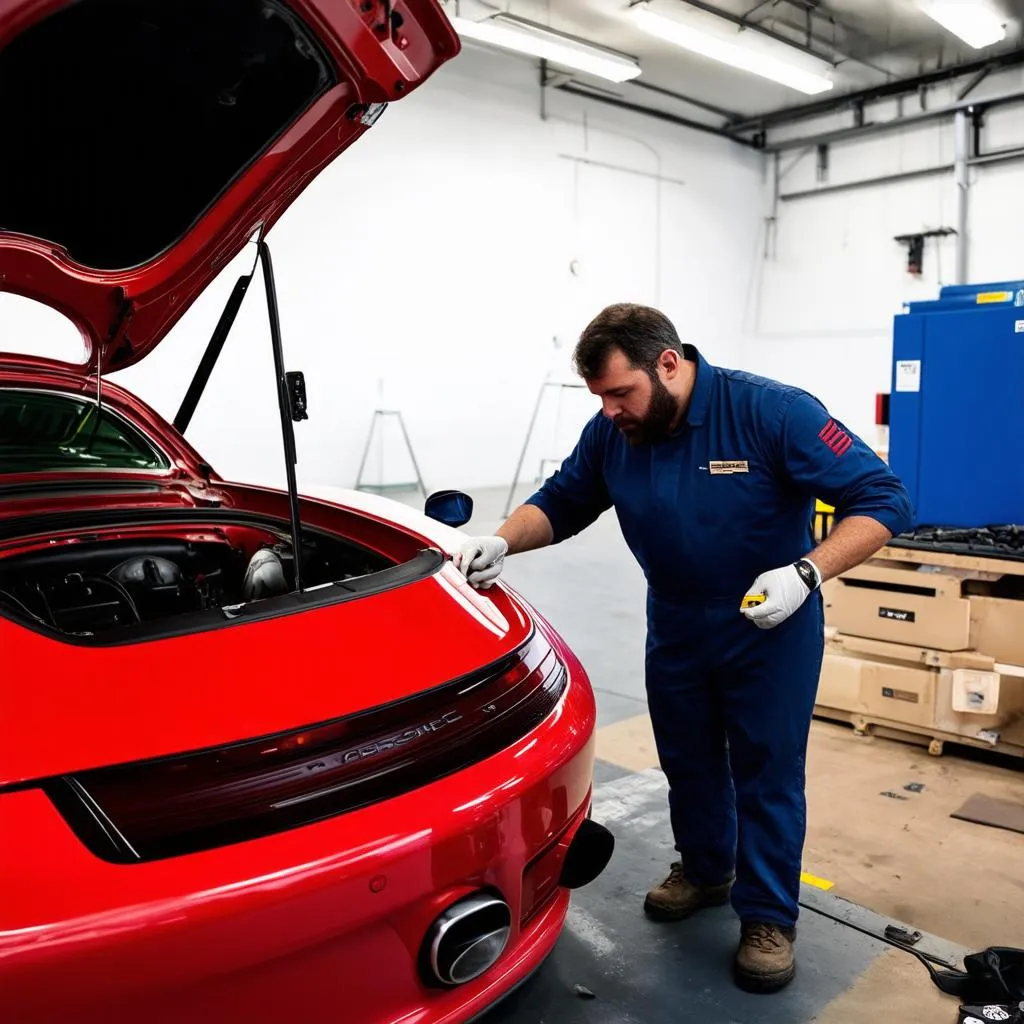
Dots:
{"x": 467, "y": 939}
{"x": 588, "y": 854}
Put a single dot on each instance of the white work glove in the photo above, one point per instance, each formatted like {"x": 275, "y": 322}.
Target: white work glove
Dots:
{"x": 785, "y": 591}
{"x": 480, "y": 560}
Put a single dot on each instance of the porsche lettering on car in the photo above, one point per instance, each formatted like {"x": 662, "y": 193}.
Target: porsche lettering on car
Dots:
{"x": 264, "y": 753}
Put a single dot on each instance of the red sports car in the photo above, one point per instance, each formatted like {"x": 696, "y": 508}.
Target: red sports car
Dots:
{"x": 262, "y": 755}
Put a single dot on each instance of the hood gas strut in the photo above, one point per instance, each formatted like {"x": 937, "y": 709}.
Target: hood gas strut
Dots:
{"x": 291, "y": 400}
{"x": 291, "y": 387}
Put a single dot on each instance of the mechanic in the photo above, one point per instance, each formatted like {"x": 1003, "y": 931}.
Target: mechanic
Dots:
{"x": 713, "y": 475}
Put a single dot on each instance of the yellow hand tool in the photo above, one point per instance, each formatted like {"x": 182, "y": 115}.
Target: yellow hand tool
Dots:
{"x": 753, "y": 600}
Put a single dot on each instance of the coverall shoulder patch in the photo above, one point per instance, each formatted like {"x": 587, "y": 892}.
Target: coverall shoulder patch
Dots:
{"x": 835, "y": 438}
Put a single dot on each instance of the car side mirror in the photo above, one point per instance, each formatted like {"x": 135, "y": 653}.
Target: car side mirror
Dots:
{"x": 453, "y": 508}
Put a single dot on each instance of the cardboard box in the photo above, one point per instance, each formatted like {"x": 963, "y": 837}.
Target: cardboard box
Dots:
{"x": 884, "y": 650}
{"x": 1005, "y": 725}
{"x": 918, "y": 607}
{"x": 894, "y": 691}
{"x": 997, "y": 628}
{"x": 915, "y": 686}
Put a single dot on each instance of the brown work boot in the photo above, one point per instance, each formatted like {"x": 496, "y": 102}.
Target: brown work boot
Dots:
{"x": 765, "y": 960}
{"x": 677, "y": 898}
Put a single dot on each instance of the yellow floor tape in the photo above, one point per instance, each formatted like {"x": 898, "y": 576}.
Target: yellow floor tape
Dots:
{"x": 818, "y": 883}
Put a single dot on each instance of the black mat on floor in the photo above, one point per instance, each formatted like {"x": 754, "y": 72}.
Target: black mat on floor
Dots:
{"x": 986, "y": 810}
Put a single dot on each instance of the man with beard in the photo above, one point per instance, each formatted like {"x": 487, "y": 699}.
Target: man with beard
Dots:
{"x": 713, "y": 475}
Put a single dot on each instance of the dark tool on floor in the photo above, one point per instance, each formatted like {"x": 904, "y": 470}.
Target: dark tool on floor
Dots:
{"x": 1005, "y": 1012}
{"x": 993, "y": 976}
{"x": 904, "y": 936}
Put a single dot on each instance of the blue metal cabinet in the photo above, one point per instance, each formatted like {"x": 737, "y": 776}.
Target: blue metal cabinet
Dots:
{"x": 957, "y": 404}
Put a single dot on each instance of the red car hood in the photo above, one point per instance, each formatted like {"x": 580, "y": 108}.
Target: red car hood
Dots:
{"x": 151, "y": 139}
{"x": 101, "y": 706}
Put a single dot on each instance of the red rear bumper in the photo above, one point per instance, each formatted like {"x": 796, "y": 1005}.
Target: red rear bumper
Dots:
{"x": 327, "y": 919}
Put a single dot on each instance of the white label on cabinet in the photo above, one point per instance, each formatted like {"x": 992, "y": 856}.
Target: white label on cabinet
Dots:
{"x": 908, "y": 375}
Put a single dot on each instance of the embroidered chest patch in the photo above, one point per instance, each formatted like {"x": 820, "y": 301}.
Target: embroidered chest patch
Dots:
{"x": 724, "y": 467}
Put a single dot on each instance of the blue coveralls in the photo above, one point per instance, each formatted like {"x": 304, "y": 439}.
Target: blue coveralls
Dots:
{"x": 728, "y": 496}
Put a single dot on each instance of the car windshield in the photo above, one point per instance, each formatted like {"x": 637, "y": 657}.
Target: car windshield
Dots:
{"x": 43, "y": 431}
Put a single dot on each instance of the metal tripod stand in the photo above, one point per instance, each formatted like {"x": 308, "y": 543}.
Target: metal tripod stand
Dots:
{"x": 379, "y": 414}
{"x": 561, "y": 385}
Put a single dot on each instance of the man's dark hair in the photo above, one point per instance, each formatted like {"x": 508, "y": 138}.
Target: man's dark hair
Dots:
{"x": 642, "y": 333}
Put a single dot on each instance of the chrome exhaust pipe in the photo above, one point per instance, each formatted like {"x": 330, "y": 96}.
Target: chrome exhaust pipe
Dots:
{"x": 588, "y": 854}
{"x": 466, "y": 939}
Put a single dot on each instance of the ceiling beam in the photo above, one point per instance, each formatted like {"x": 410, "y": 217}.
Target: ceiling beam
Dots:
{"x": 662, "y": 115}
{"x": 901, "y": 87}
{"x": 729, "y": 115}
{"x": 743, "y": 21}
{"x": 853, "y": 44}
{"x": 1000, "y": 156}
{"x": 895, "y": 124}
{"x": 975, "y": 82}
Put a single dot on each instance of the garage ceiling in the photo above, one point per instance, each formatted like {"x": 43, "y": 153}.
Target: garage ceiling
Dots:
{"x": 869, "y": 42}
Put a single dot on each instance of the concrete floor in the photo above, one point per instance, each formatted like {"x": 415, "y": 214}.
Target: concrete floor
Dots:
{"x": 905, "y": 859}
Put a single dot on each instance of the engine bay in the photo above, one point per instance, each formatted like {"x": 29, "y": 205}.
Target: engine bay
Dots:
{"x": 88, "y": 585}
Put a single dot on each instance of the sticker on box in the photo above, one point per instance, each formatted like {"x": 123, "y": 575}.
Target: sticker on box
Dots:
{"x": 897, "y": 614}
{"x": 975, "y": 692}
{"x": 987, "y": 298}
{"x": 908, "y": 695}
{"x": 908, "y": 375}
{"x": 1018, "y": 327}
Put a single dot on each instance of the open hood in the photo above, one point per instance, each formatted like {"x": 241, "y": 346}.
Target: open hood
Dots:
{"x": 147, "y": 141}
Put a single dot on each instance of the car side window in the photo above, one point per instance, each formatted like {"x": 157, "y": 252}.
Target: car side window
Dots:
{"x": 49, "y": 432}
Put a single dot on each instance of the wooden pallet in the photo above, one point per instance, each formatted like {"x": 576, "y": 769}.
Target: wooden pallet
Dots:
{"x": 973, "y": 563}
{"x": 933, "y": 739}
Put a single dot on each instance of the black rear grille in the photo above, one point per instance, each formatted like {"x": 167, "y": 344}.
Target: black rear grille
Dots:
{"x": 150, "y": 810}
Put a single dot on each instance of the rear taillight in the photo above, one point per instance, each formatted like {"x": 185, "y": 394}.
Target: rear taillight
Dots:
{"x": 155, "y": 809}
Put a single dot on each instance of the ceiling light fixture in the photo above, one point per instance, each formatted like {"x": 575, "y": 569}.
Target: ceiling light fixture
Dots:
{"x": 509, "y": 32}
{"x": 719, "y": 40}
{"x": 975, "y": 23}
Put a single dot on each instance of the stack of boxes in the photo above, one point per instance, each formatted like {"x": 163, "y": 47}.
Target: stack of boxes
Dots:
{"x": 924, "y": 642}
{"x": 927, "y": 645}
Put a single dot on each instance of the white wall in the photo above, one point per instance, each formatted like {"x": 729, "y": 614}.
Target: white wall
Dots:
{"x": 429, "y": 270}
{"x": 432, "y": 260}
{"x": 834, "y": 277}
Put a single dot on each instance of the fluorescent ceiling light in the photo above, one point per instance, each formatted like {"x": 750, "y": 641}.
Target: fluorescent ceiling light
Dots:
{"x": 511, "y": 33}
{"x": 719, "y": 40}
{"x": 975, "y": 23}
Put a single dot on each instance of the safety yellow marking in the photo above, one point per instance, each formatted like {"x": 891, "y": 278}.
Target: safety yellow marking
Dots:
{"x": 818, "y": 883}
